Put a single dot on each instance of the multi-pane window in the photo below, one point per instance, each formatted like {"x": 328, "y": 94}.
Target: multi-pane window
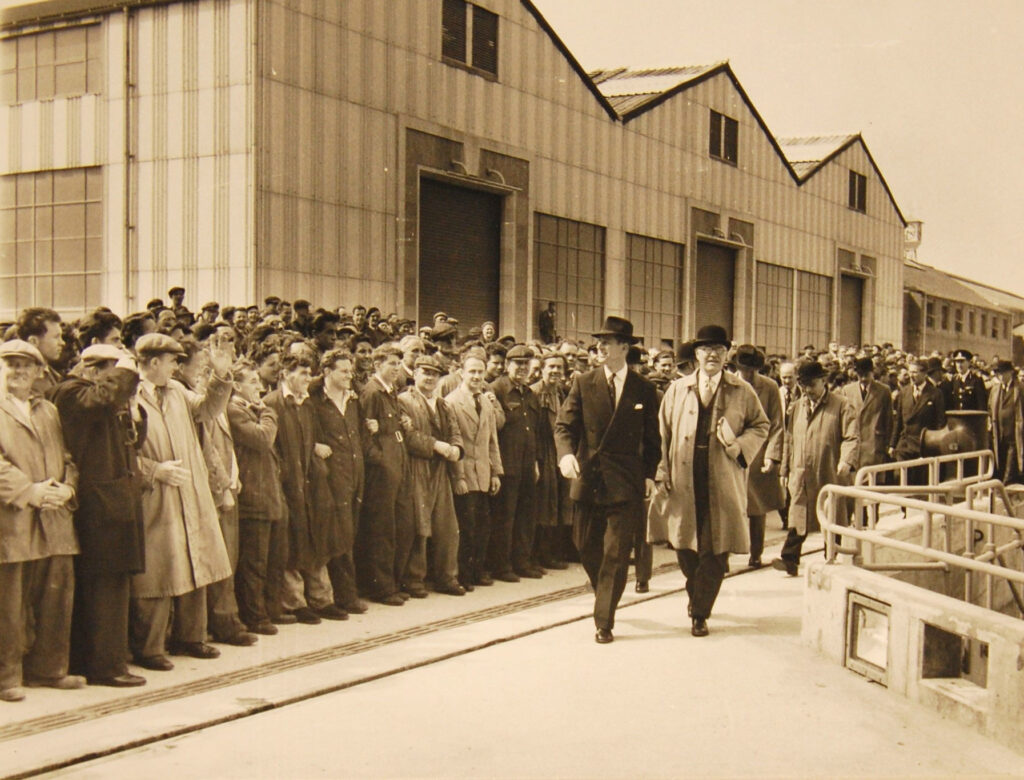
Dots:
{"x": 958, "y": 319}
{"x": 469, "y": 35}
{"x": 858, "y": 196}
{"x": 58, "y": 63}
{"x": 971, "y": 322}
{"x": 654, "y": 271}
{"x": 929, "y": 315}
{"x": 814, "y": 309}
{"x": 569, "y": 263}
{"x": 944, "y": 324}
{"x": 723, "y": 142}
{"x": 1006, "y": 327}
{"x": 51, "y": 240}
{"x": 774, "y": 315}
{"x": 984, "y": 324}
{"x": 995, "y": 327}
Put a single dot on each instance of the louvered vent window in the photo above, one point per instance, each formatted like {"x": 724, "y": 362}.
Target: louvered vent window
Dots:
{"x": 469, "y": 37}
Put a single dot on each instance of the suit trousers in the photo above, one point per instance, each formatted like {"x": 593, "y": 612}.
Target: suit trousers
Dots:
{"x": 342, "y": 571}
{"x": 307, "y": 588}
{"x": 35, "y": 619}
{"x": 387, "y": 532}
{"x": 221, "y": 604}
{"x": 756, "y": 524}
{"x": 184, "y": 615}
{"x": 514, "y": 524}
{"x": 643, "y": 553}
{"x": 259, "y": 577}
{"x": 606, "y": 534}
{"x": 474, "y": 513}
{"x": 704, "y": 569}
{"x": 99, "y": 624}
{"x": 793, "y": 546}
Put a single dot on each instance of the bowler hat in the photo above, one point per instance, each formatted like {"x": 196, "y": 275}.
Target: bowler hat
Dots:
{"x": 711, "y": 335}
{"x": 749, "y": 356}
{"x": 810, "y": 370}
{"x": 619, "y": 327}
{"x": 934, "y": 364}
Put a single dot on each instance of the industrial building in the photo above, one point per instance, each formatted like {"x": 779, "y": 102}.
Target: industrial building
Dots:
{"x": 421, "y": 155}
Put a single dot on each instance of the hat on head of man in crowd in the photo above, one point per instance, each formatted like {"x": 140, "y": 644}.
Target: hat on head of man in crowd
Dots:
{"x": 1000, "y": 367}
{"x": 809, "y": 370}
{"x": 520, "y": 352}
{"x": 685, "y": 353}
{"x": 20, "y": 348}
{"x": 101, "y": 353}
{"x": 617, "y": 327}
{"x": 863, "y": 365}
{"x": 153, "y": 344}
{"x": 211, "y": 306}
{"x": 749, "y": 356}
{"x": 442, "y": 331}
{"x": 712, "y": 336}
{"x": 962, "y": 354}
{"x": 934, "y": 364}
{"x": 440, "y": 315}
{"x": 429, "y": 363}
{"x": 301, "y": 304}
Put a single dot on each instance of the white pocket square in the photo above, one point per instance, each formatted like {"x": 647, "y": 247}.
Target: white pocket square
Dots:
{"x": 638, "y": 406}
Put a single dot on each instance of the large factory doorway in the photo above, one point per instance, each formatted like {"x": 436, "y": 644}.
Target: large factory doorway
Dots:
{"x": 851, "y": 309}
{"x": 715, "y": 287}
{"x": 460, "y": 253}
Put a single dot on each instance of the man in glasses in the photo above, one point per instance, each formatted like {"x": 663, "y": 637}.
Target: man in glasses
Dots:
{"x": 712, "y": 427}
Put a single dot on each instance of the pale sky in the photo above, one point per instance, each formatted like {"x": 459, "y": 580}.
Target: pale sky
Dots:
{"x": 933, "y": 86}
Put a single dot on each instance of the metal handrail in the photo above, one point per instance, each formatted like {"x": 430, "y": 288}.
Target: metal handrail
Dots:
{"x": 866, "y": 475}
{"x": 935, "y": 559}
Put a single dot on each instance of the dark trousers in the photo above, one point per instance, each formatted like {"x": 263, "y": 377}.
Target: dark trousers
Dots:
{"x": 756, "y": 524}
{"x": 35, "y": 619}
{"x": 259, "y": 577}
{"x": 221, "y": 602}
{"x": 514, "y": 524}
{"x": 792, "y": 547}
{"x": 99, "y": 624}
{"x": 704, "y": 569}
{"x": 643, "y": 554}
{"x": 387, "y": 532}
{"x": 342, "y": 571}
{"x": 184, "y": 616}
{"x": 605, "y": 535}
{"x": 474, "y": 513}
{"x": 1008, "y": 471}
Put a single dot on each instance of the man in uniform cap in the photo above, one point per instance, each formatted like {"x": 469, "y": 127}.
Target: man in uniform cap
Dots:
{"x": 434, "y": 441}
{"x": 969, "y": 391}
{"x": 821, "y": 448}
{"x": 103, "y": 429}
{"x": 514, "y": 521}
{"x": 712, "y": 426}
{"x": 37, "y": 535}
{"x": 608, "y": 443}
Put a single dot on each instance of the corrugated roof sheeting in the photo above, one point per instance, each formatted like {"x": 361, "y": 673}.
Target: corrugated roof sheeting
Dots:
{"x": 935, "y": 283}
{"x": 813, "y": 149}
{"x": 1006, "y": 300}
{"x": 618, "y": 82}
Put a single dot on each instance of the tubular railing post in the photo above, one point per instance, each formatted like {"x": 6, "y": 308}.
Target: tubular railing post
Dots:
{"x": 969, "y": 546}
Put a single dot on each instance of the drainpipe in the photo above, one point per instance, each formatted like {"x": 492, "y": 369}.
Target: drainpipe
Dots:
{"x": 130, "y": 282}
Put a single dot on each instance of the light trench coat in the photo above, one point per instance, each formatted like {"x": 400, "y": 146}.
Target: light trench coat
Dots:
{"x": 672, "y": 515}
{"x": 184, "y": 544}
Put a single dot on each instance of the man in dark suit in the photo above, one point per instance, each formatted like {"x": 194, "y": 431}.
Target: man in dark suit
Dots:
{"x": 919, "y": 406}
{"x": 608, "y": 443}
{"x": 873, "y": 403}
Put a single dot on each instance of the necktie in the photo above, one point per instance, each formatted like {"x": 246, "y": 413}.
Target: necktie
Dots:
{"x": 161, "y": 395}
{"x": 705, "y": 390}
{"x": 476, "y": 402}
{"x": 611, "y": 389}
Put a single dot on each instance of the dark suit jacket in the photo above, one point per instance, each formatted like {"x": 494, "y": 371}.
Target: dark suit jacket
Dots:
{"x": 517, "y": 438}
{"x": 632, "y": 447}
{"x": 874, "y": 414}
{"x": 914, "y": 417}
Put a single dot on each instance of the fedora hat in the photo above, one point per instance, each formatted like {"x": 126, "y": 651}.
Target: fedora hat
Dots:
{"x": 810, "y": 370}
{"x": 710, "y": 335}
{"x": 749, "y": 356}
{"x": 619, "y": 327}
{"x": 1001, "y": 366}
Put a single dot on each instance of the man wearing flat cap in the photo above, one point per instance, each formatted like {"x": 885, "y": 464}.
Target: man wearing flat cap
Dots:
{"x": 712, "y": 427}
{"x": 103, "y": 430}
{"x": 764, "y": 492}
{"x": 434, "y": 442}
{"x": 607, "y": 440}
{"x": 37, "y": 536}
{"x": 209, "y": 312}
{"x": 514, "y": 522}
{"x": 969, "y": 391}
{"x": 1006, "y": 408}
{"x": 821, "y": 448}
{"x": 185, "y": 548}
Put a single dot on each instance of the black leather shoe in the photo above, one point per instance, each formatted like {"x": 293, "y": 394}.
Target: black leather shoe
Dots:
{"x": 284, "y": 619}
{"x": 241, "y": 639}
{"x": 529, "y": 573}
{"x": 403, "y": 595}
{"x": 550, "y": 563}
{"x": 306, "y": 615}
{"x": 416, "y": 593}
{"x": 467, "y": 586}
{"x": 603, "y": 636}
{"x": 156, "y": 663}
{"x": 193, "y": 649}
{"x": 484, "y": 580}
{"x": 126, "y": 680}
{"x": 755, "y": 563}
{"x": 700, "y": 627}
{"x": 331, "y": 612}
{"x": 787, "y": 566}
{"x": 357, "y": 607}
{"x": 266, "y": 628}
{"x": 392, "y": 600}
{"x": 452, "y": 589}
{"x": 642, "y": 587}
{"x": 506, "y": 576}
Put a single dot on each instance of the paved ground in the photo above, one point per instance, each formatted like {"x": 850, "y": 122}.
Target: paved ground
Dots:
{"x": 749, "y": 700}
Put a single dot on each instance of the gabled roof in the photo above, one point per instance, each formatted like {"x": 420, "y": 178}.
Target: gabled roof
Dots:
{"x": 807, "y": 153}
{"x": 935, "y": 283}
{"x": 627, "y": 89}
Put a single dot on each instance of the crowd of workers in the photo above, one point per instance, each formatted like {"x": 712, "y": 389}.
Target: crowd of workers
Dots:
{"x": 169, "y": 481}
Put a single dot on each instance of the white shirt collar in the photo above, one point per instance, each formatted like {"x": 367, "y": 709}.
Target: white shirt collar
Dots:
{"x": 620, "y": 375}
{"x": 384, "y": 384}
{"x": 286, "y": 392}
{"x": 714, "y": 380}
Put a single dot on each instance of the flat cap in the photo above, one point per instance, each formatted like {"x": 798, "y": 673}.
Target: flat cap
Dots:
{"x": 440, "y": 315}
{"x": 158, "y": 344}
{"x": 174, "y": 290}
{"x": 99, "y": 353}
{"x": 430, "y": 363}
{"x": 519, "y": 352}
{"x": 443, "y": 331}
{"x": 19, "y": 348}
{"x": 210, "y": 305}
